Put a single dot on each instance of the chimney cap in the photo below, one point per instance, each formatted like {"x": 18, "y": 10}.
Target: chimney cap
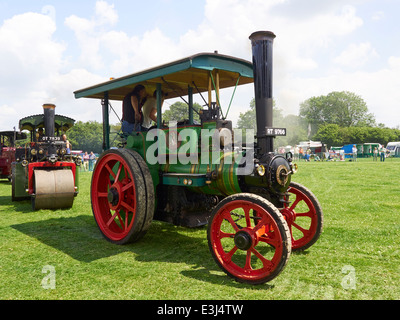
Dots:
{"x": 49, "y": 106}
{"x": 262, "y": 35}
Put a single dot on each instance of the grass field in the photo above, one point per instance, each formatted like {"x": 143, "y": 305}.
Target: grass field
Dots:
{"x": 357, "y": 256}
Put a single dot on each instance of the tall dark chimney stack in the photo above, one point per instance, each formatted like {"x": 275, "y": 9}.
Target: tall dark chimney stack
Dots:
{"x": 49, "y": 119}
{"x": 49, "y": 127}
{"x": 262, "y": 43}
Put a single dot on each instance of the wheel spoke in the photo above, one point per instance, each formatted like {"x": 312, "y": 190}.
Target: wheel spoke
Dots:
{"x": 301, "y": 229}
{"x": 118, "y": 172}
{"x": 247, "y": 266}
{"x": 223, "y": 234}
{"x": 227, "y": 216}
{"x": 109, "y": 170}
{"x": 271, "y": 239}
{"x": 127, "y": 186}
{"x": 228, "y": 256}
{"x": 102, "y": 194}
{"x": 127, "y": 206}
{"x": 266, "y": 263}
{"x": 294, "y": 204}
{"x": 247, "y": 215}
{"x": 112, "y": 219}
{"x": 261, "y": 225}
{"x": 305, "y": 214}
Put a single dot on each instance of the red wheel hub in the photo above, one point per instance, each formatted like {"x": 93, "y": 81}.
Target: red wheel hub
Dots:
{"x": 289, "y": 215}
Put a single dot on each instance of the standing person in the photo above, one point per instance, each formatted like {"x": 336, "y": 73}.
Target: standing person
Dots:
{"x": 354, "y": 151}
{"x": 132, "y": 109}
{"x": 296, "y": 153}
{"x": 382, "y": 152}
{"x": 375, "y": 154}
{"x": 86, "y": 161}
{"x": 308, "y": 154}
{"x": 301, "y": 153}
{"x": 68, "y": 144}
{"x": 92, "y": 158}
{"x": 150, "y": 110}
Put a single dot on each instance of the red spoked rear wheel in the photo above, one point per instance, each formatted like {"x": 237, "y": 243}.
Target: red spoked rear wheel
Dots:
{"x": 122, "y": 196}
{"x": 304, "y": 217}
{"x": 249, "y": 238}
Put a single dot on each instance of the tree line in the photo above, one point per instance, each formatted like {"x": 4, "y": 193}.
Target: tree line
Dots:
{"x": 336, "y": 119}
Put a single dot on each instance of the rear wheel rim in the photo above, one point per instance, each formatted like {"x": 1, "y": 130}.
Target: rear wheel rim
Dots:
{"x": 246, "y": 241}
{"x": 114, "y": 197}
{"x": 302, "y": 218}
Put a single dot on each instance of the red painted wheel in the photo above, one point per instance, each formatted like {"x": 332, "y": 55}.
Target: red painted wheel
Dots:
{"x": 304, "y": 217}
{"x": 249, "y": 238}
{"x": 122, "y": 196}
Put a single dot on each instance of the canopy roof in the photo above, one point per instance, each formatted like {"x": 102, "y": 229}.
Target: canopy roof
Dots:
{"x": 11, "y": 134}
{"x": 62, "y": 123}
{"x": 176, "y": 76}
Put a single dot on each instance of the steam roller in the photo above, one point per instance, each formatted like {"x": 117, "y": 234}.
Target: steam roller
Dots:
{"x": 53, "y": 189}
{"x": 44, "y": 171}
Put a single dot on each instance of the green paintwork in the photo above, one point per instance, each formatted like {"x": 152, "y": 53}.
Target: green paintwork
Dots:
{"x": 20, "y": 181}
{"x": 62, "y": 123}
{"x": 181, "y": 73}
{"x": 184, "y": 77}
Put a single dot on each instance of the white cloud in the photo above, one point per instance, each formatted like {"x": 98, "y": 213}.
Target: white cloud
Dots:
{"x": 379, "y": 15}
{"x": 28, "y": 50}
{"x": 105, "y": 13}
{"x": 7, "y": 111}
{"x": 89, "y": 32}
{"x": 31, "y": 70}
{"x": 394, "y": 62}
{"x": 37, "y": 70}
{"x": 356, "y": 55}
{"x": 378, "y": 88}
{"x": 29, "y": 56}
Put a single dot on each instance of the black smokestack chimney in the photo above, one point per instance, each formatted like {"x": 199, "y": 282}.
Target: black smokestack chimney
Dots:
{"x": 262, "y": 42}
{"x": 49, "y": 119}
{"x": 49, "y": 125}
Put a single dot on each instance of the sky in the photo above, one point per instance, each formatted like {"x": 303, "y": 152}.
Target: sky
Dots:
{"x": 51, "y": 48}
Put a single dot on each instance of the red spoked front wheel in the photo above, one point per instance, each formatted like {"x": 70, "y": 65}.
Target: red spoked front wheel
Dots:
{"x": 304, "y": 217}
{"x": 249, "y": 238}
{"x": 122, "y": 196}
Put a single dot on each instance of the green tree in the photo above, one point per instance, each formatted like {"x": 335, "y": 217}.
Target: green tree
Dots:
{"x": 334, "y": 135}
{"x": 295, "y": 126}
{"x": 247, "y": 119}
{"x": 86, "y": 136}
{"x": 330, "y": 134}
{"x": 344, "y": 108}
{"x": 180, "y": 111}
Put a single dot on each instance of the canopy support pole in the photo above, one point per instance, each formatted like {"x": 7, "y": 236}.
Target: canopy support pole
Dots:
{"x": 106, "y": 123}
{"x": 159, "y": 104}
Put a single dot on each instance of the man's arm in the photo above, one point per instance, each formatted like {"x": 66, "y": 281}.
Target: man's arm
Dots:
{"x": 153, "y": 114}
{"x": 135, "y": 105}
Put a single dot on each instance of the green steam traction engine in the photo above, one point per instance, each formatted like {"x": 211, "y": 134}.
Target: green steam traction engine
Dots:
{"x": 255, "y": 214}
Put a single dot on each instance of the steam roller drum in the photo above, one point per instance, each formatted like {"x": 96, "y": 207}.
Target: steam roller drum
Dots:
{"x": 54, "y": 189}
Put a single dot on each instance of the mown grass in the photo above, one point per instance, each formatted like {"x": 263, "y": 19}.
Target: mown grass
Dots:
{"x": 357, "y": 256}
